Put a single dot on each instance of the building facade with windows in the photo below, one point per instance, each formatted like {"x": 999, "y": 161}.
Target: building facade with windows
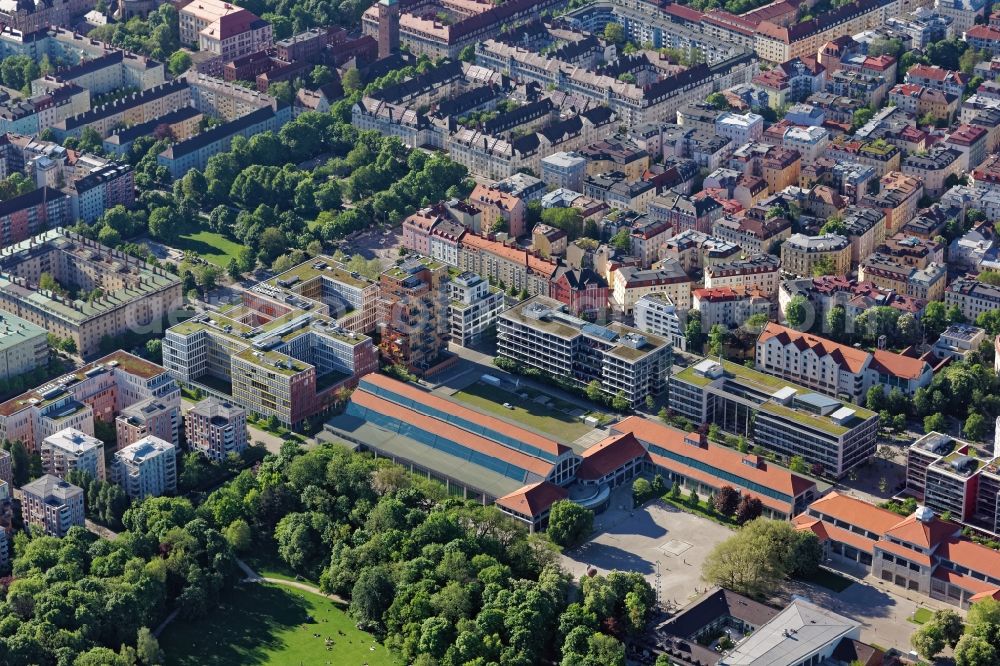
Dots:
{"x": 788, "y": 419}
{"x": 98, "y": 390}
{"x": 23, "y": 346}
{"x": 52, "y": 506}
{"x": 147, "y": 468}
{"x": 836, "y": 369}
{"x": 71, "y": 449}
{"x": 216, "y": 428}
{"x": 920, "y": 553}
{"x": 539, "y": 333}
{"x": 287, "y": 347}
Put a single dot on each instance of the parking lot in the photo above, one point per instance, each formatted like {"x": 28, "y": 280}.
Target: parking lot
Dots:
{"x": 639, "y": 540}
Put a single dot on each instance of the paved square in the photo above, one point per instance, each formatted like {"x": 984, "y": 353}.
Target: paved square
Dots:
{"x": 657, "y": 535}
{"x": 675, "y": 547}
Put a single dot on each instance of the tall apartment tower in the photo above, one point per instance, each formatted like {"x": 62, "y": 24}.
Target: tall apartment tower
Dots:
{"x": 388, "y": 28}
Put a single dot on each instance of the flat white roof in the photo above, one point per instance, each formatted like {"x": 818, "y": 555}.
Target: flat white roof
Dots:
{"x": 73, "y": 441}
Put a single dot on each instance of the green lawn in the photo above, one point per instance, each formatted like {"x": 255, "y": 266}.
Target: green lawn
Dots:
{"x": 532, "y": 414}
{"x": 269, "y": 624}
{"x": 212, "y": 247}
{"x": 269, "y": 565}
{"x": 921, "y": 615}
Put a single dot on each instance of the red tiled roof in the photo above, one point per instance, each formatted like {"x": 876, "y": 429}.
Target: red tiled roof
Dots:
{"x": 684, "y": 12}
{"x": 924, "y": 534}
{"x": 989, "y": 594}
{"x": 856, "y": 512}
{"x": 727, "y": 460}
{"x": 715, "y": 294}
{"x": 901, "y": 366}
{"x": 979, "y": 587}
{"x": 984, "y": 32}
{"x": 533, "y": 500}
{"x": 410, "y": 391}
{"x": 904, "y": 552}
{"x": 970, "y": 554}
{"x": 455, "y": 434}
{"x": 496, "y": 198}
{"x": 608, "y": 455}
{"x": 513, "y": 254}
{"x": 825, "y": 530}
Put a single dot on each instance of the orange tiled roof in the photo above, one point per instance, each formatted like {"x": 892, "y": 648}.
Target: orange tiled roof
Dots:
{"x": 516, "y": 255}
{"x": 496, "y": 198}
{"x": 410, "y": 391}
{"x": 988, "y": 594}
{"x": 608, "y": 455}
{"x": 533, "y": 500}
{"x": 825, "y": 530}
{"x": 456, "y": 434}
{"x": 853, "y": 359}
{"x": 904, "y": 552}
{"x": 970, "y": 554}
{"x": 905, "y": 367}
{"x": 924, "y": 534}
{"x": 856, "y": 512}
{"x": 728, "y": 460}
{"x": 979, "y": 587}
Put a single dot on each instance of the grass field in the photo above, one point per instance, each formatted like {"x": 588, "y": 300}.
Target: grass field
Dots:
{"x": 270, "y": 625}
{"x": 550, "y": 420}
{"x": 212, "y": 247}
{"x": 920, "y": 616}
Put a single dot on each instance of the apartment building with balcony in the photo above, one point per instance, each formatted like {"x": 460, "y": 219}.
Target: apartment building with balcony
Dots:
{"x": 829, "y": 434}
{"x": 98, "y": 390}
{"x": 630, "y": 283}
{"x": 539, "y": 333}
{"x": 151, "y": 416}
{"x": 473, "y": 308}
{"x": 412, "y": 312}
{"x": 727, "y": 306}
{"x": 753, "y": 232}
{"x": 216, "y": 428}
{"x": 695, "y": 250}
{"x": 972, "y": 297}
{"x": 71, "y": 449}
{"x": 25, "y": 215}
{"x": 757, "y": 272}
{"x": 52, "y": 506}
{"x": 954, "y": 476}
{"x": 146, "y": 468}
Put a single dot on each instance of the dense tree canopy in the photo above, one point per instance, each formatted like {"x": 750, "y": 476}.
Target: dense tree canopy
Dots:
{"x": 81, "y": 595}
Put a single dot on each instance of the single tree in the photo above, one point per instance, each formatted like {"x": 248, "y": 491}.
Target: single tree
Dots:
{"x": 749, "y": 509}
{"x": 569, "y": 523}
{"x": 726, "y": 500}
{"x": 796, "y": 311}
